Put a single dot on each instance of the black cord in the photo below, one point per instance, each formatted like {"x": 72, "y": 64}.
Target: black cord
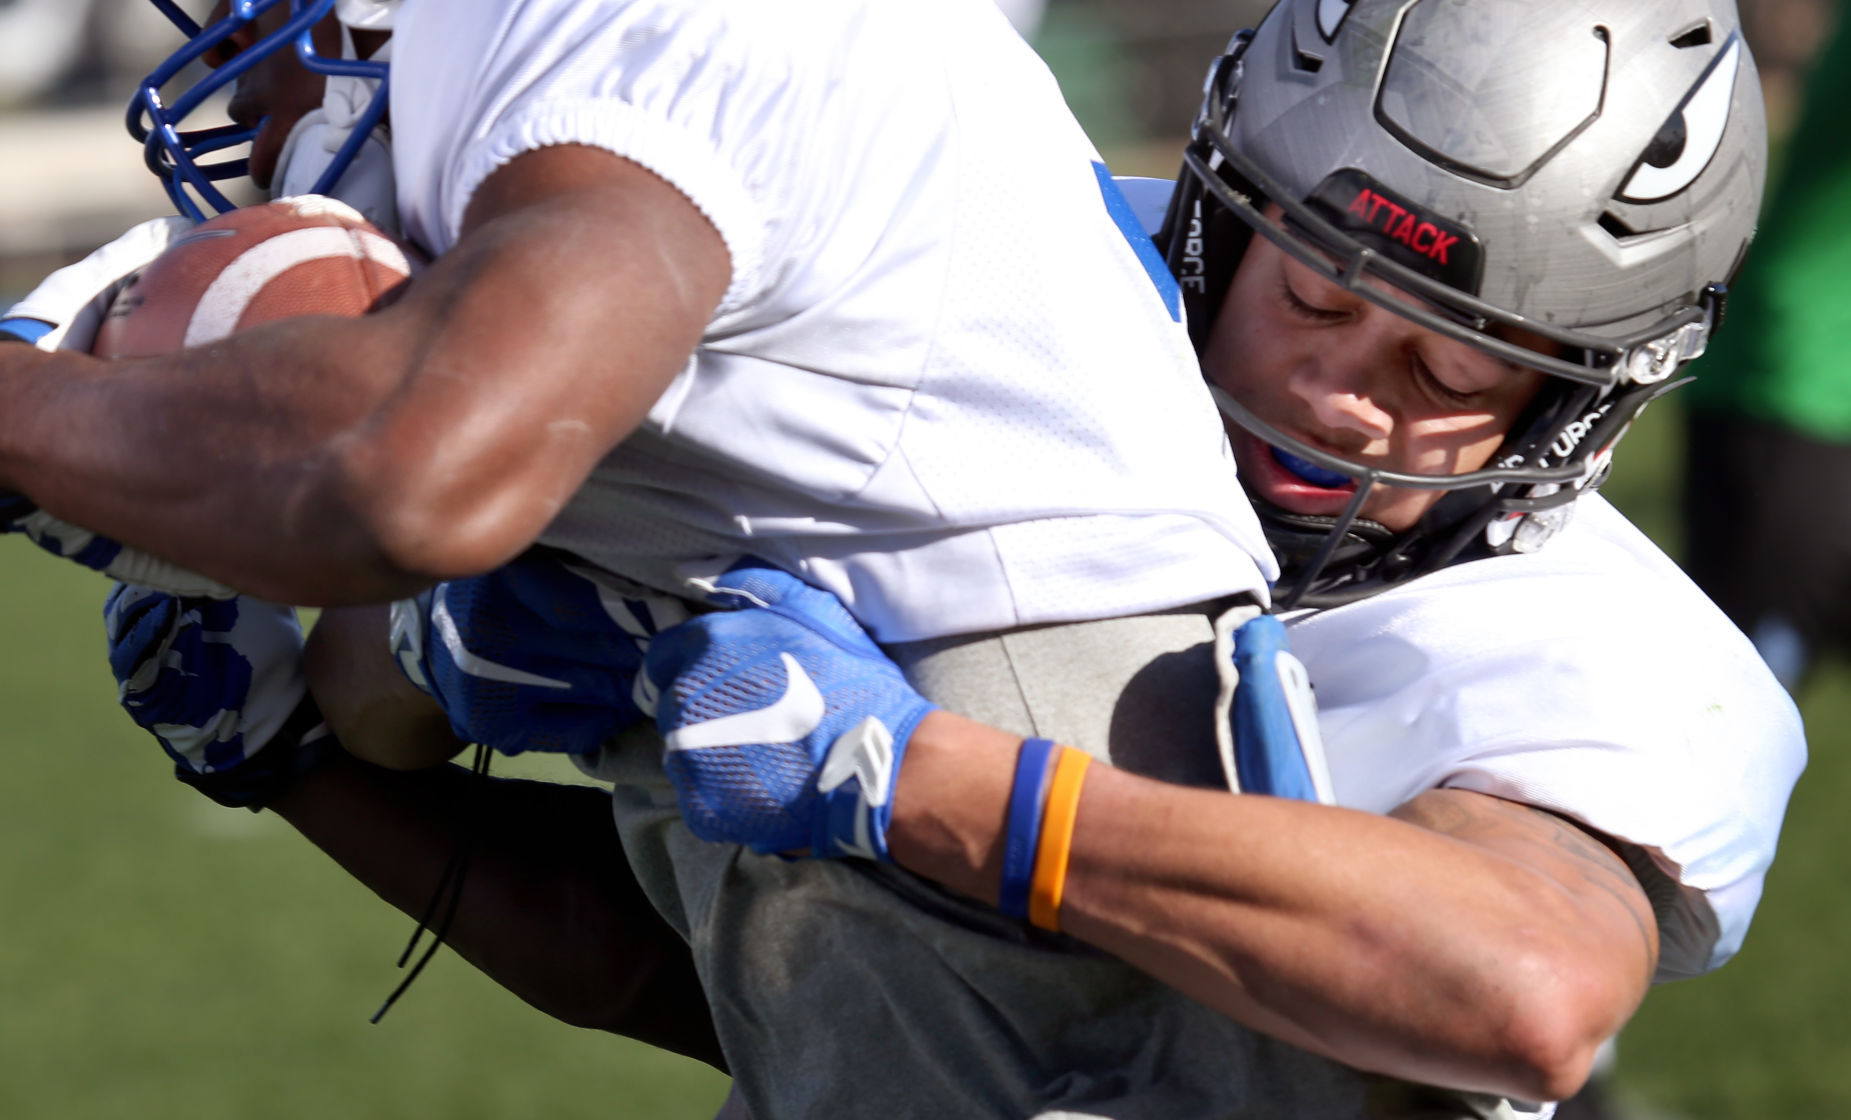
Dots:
{"x": 449, "y": 893}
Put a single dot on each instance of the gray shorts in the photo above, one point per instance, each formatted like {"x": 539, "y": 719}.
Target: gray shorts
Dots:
{"x": 847, "y": 989}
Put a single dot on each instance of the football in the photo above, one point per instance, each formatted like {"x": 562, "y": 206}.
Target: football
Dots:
{"x": 295, "y": 256}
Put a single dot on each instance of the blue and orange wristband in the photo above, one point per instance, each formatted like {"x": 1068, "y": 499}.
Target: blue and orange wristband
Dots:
{"x": 1038, "y": 837}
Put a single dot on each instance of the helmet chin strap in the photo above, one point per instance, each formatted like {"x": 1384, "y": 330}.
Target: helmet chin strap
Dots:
{"x": 1306, "y": 544}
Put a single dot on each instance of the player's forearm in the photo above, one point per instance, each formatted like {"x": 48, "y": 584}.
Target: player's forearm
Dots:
{"x": 312, "y": 461}
{"x": 1376, "y": 943}
{"x": 549, "y": 909}
{"x": 214, "y": 460}
{"x": 1367, "y": 939}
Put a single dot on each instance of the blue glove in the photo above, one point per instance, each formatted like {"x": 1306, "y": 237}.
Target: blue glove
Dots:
{"x": 785, "y": 723}
{"x": 60, "y": 538}
{"x": 100, "y": 553}
{"x": 1277, "y": 747}
{"x": 219, "y": 683}
{"x": 13, "y": 508}
{"x": 533, "y": 656}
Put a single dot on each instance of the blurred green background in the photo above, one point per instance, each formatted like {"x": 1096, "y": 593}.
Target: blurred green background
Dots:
{"x": 163, "y": 957}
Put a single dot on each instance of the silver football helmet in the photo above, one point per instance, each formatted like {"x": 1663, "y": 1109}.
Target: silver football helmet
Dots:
{"x": 1586, "y": 172}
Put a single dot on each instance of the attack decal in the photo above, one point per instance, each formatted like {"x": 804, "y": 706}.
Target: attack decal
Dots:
{"x": 1409, "y": 234}
{"x": 1127, "y": 220}
{"x": 1685, "y": 144}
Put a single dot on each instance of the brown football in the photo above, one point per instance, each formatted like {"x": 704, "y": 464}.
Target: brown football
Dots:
{"x": 295, "y": 256}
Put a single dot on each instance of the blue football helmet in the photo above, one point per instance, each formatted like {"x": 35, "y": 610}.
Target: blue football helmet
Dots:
{"x": 179, "y": 156}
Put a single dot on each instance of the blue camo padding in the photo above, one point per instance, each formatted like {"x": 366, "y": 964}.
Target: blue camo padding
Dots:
{"x": 212, "y": 679}
{"x": 92, "y": 550}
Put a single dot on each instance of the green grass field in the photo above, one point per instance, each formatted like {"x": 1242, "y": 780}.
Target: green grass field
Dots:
{"x": 161, "y": 957}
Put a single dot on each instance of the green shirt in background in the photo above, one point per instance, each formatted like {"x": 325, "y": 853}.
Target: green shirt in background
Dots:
{"x": 1784, "y": 354}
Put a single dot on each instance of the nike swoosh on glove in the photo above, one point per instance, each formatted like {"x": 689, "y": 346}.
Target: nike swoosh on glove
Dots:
{"x": 538, "y": 655}
{"x": 785, "y": 724}
{"x": 219, "y": 683}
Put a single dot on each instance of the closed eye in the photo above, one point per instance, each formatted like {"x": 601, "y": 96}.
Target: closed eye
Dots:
{"x": 1424, "y": 373}
{"x": 1686, "y": 142}
{"x": 1308, "y": 311}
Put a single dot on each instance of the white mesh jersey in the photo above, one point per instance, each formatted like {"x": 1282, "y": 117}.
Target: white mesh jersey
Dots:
{"x": 943, "y": 384}
{"x": 1591, "y": 679}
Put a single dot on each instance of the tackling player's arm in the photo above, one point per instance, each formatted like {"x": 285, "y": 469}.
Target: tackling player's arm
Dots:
{"x": 327, "y": 461}
{"x": 1463, "y": 940}
{"x": 549, "y": 908}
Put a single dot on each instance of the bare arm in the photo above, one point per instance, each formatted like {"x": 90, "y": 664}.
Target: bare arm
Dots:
{"x": 1463, "y": 941}
{"x": 550, "y": 909}
{"x": 335, "y": 461}
{"x": 377, "y": 714}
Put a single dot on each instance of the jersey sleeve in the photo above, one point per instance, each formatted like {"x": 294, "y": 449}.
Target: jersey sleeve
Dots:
{"x": 1592, "y": 680}
{"x": 1623, "y": 699}
{"x": 1690, "y": 777}
{"x": 730, "y": 103}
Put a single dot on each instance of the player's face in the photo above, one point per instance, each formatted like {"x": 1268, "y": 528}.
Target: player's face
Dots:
{"x": 1345, "y": 375}
{"x": 279, "y": 90}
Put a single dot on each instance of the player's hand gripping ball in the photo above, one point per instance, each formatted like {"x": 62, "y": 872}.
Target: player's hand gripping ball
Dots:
{"x": 288, "y": 258}
{"x": 292, "y": 257}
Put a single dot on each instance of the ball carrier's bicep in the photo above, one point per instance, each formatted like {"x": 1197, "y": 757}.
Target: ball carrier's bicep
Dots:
{"x": 324, "y": 460}
{"x": 580, "y": 287}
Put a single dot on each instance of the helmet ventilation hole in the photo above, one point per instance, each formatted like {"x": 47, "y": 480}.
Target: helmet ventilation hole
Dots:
{"x": 1614, "y": 225}
{"x": 1698, "y": 36}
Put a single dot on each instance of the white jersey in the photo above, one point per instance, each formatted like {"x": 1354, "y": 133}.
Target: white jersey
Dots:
{"x": 943, "y": 382}
{"x": 1590, "y": 678}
